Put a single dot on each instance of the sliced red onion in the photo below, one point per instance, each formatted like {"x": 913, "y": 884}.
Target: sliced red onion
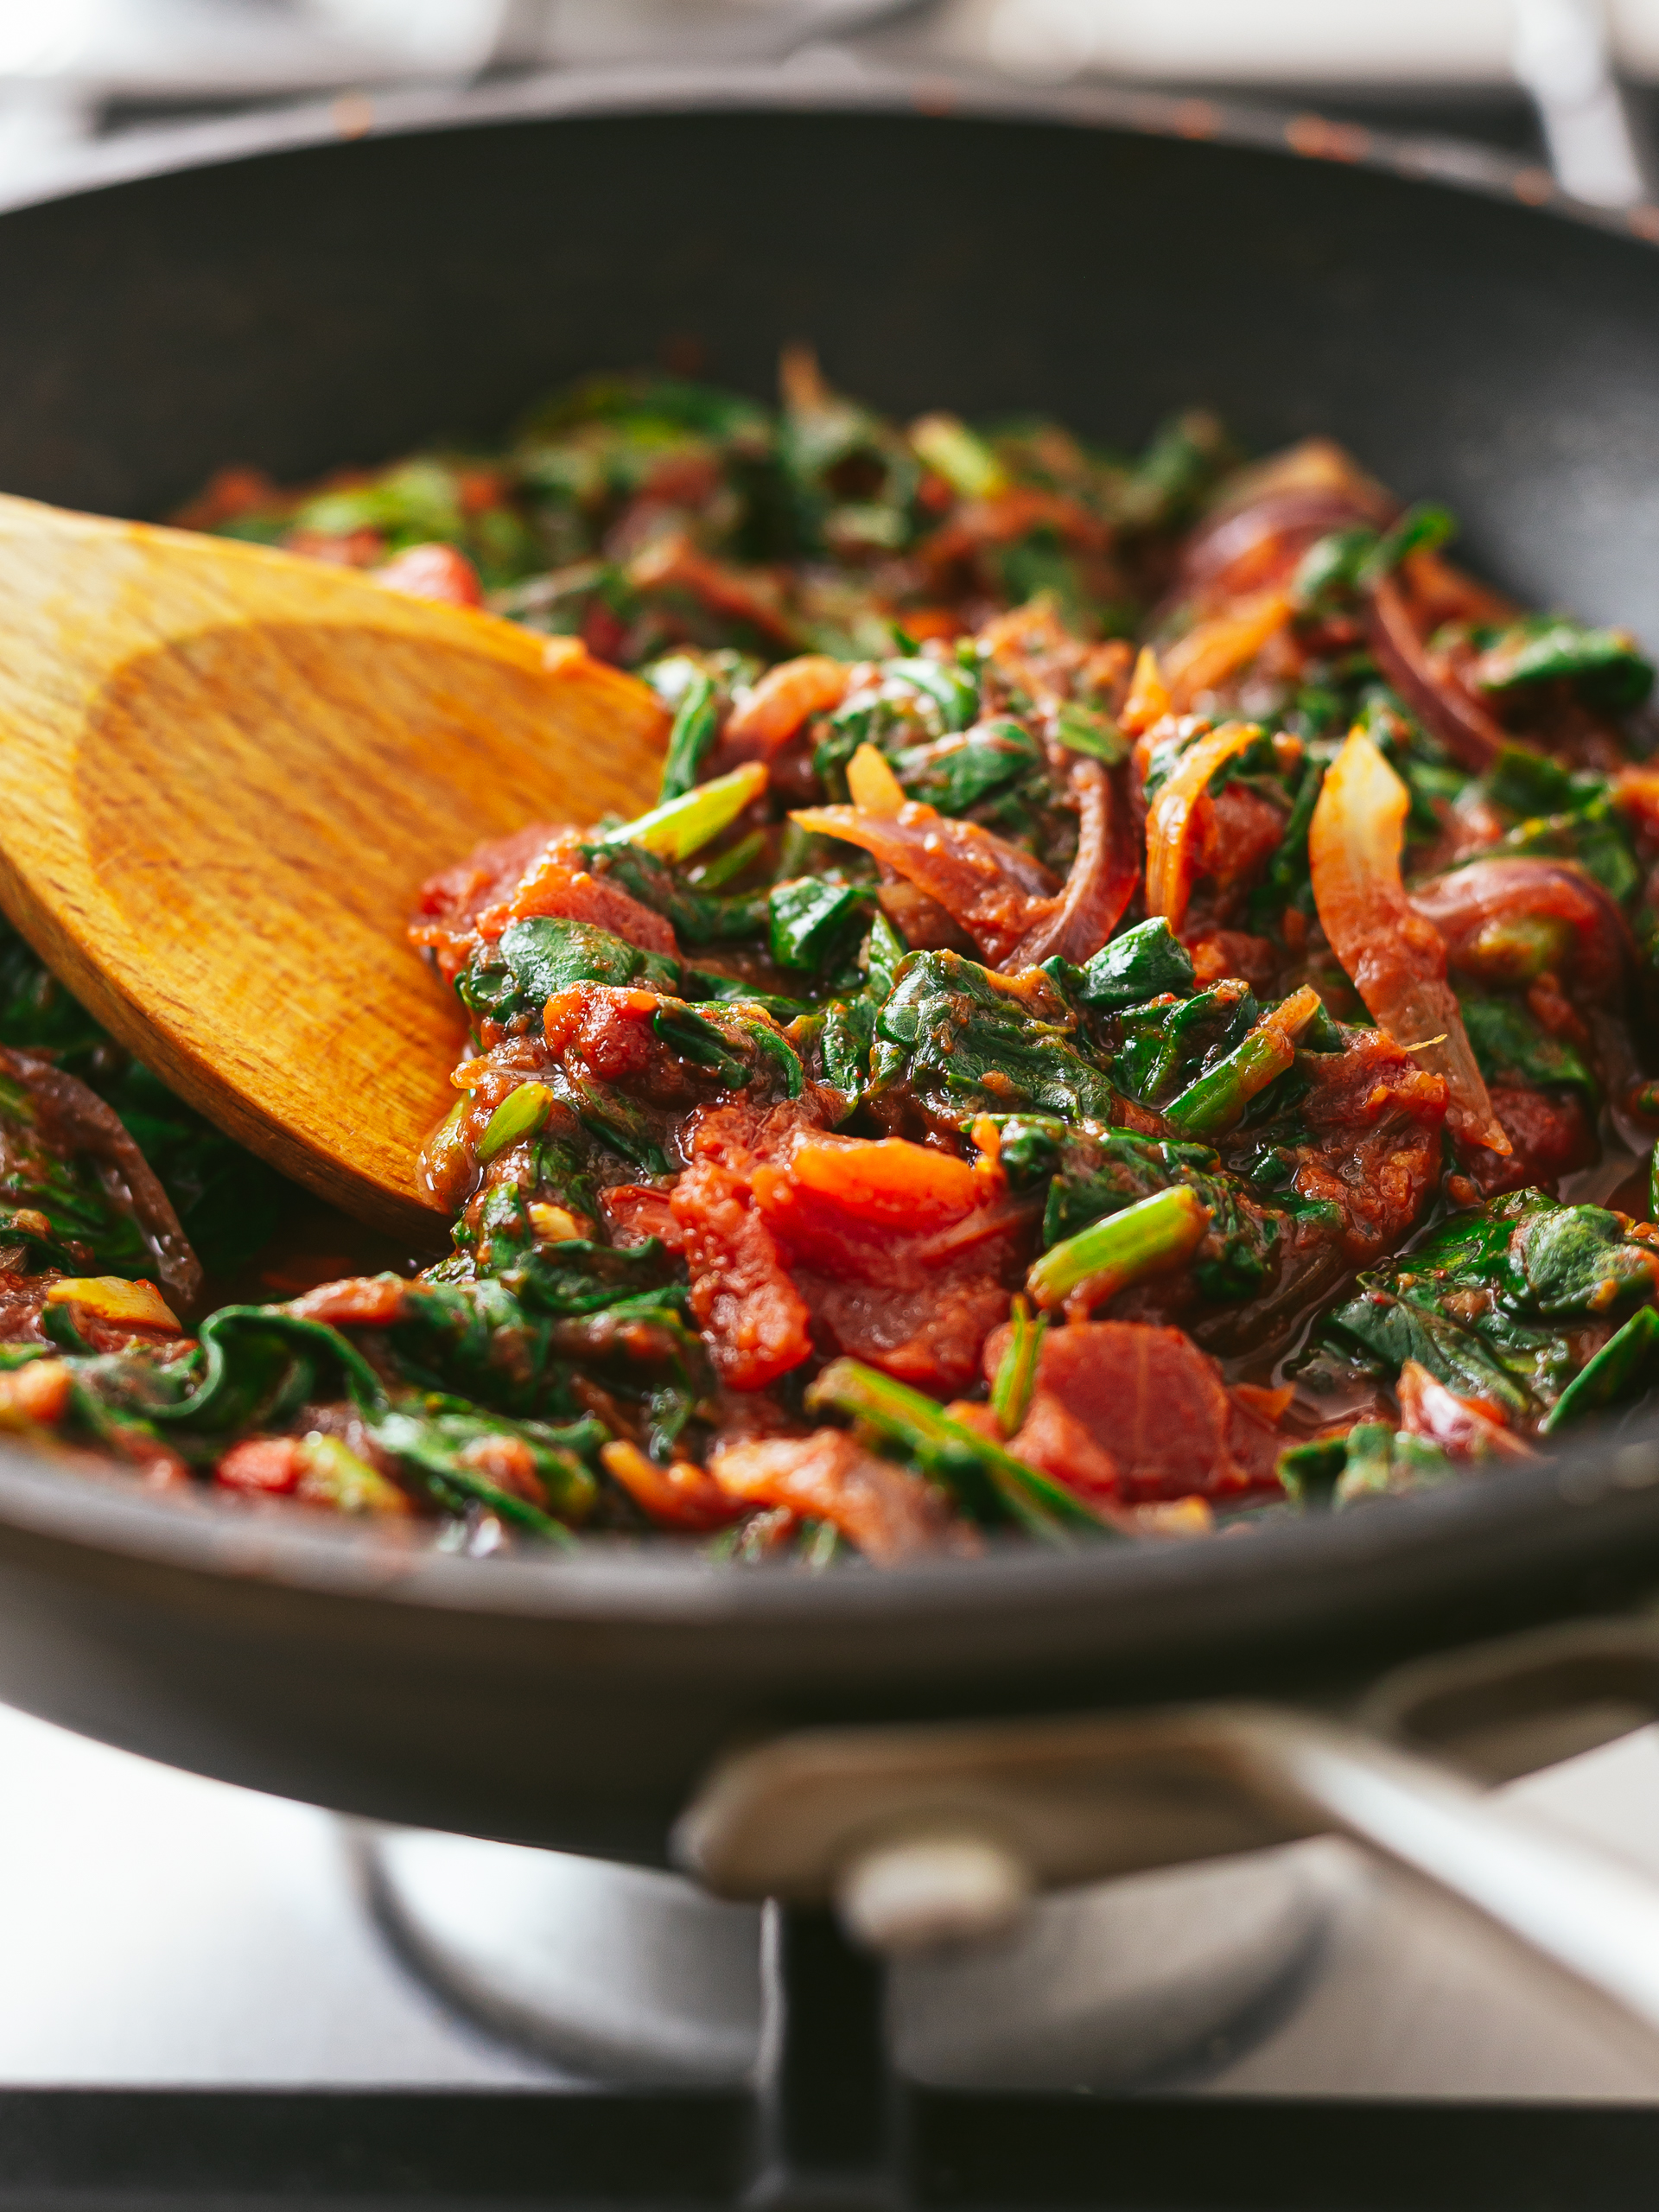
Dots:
{"x": 72, "y": 1118}
{"x": 993, "y": 889}
{"x": 1441, "y": 703}
{"x": 1100, "y": 885}
{"x": 1464, "y": 900}
{"x": 1305, "y": 516}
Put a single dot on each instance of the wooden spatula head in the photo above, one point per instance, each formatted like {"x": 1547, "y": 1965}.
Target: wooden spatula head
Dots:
{"x": 225, "y": 773}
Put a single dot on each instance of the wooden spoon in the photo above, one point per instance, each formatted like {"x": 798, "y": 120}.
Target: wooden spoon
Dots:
{"x": 225, "y": 772}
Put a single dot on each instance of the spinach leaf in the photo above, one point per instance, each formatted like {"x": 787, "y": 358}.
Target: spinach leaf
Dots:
{"x": 1165, "y": 1046}
{"x": 536, "y": 958}
{"x": 1511, "y": 1045}
{"x": 611, "y": 1118}
{"x": 1186, "y": 457}
{"x": 696, "y": 725}
{"x": 1580, "y": 1260}
{"x": 228, "y": 1203}
{"x": 695, "y": 1039}
{"x": 810, "y": 918}
{"x": 1592, "y": 833}
{"x": 698, "y": 918}
{"x": 1493, "y": 1303}
{"x": 260, "y": 1363}
{"x": 1381, "y": 1462}
{"x": 845, "y": 1039}
{"x": 577, "y": 1276}
{"x": 1605, "y": 667}
{"x": 1328, "y": 574}
{"x": 956, "y": 775}
{"x": 1393, "y": 1330}
{"x": 1419, "y": 530}
{"x": 1147, "y": 962}
{"x": 437, "y": 1443}
{"x": 1626, "y": 1365}
{"x": 1092, "y": 1173}
{"x": 1528, "y": 784}
{"x": 1288, "y": 878}
{"x": 963, "y": 1039}
{"x": 1084, "y": 730}
{"x": 952, "y": 686}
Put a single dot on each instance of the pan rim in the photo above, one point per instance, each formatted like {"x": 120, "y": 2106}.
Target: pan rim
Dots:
{"x": 1560, "y": 1512}
{"x": 829, "y": 86}
{"x": 1608, "y": 1485}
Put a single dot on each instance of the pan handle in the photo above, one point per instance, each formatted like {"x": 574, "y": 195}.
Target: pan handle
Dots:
{"x": 920, "y": 1836}
{"x": 1563, "y": 58}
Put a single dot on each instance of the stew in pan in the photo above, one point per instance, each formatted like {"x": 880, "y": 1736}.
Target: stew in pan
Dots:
{"x": 1129, "y": 1016}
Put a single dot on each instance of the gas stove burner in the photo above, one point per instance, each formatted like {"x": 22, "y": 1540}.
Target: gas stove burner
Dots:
{"x": 614, "y": 1972}
{"x": 626, "y": 1975}
{"x": 1156, "y": 1978}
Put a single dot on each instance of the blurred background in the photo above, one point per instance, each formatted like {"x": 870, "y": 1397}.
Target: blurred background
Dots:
{"x": 1570, "y": 84}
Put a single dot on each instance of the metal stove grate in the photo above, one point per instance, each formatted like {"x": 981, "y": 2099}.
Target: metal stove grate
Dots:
{"x": 829, "y": 2131}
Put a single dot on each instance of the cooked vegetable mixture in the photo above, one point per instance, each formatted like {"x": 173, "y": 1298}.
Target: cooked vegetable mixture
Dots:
{"x": 1131, "y": 1013}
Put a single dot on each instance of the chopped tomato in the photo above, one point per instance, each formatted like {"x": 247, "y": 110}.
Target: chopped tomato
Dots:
{"x": 272, "y": 1466}
{"x": 1551, "y": 1135}
{"x": 559, "y": 883}
{"x": 41, "y": 1391}
{"x": 889, "y": 1513}
{"x": 371, "y": 1301}
{"x": 1124, "y": 1412}
{"x": 755, "y": 1318}
{"x": 884, "y": 1181}
{"x": 435, "y": 571}
{"x": 764, "y": 721}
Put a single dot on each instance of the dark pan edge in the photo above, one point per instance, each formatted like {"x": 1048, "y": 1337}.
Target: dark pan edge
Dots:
{"x": 1299, "y": 135}
{"x": 1549, "y": 1524}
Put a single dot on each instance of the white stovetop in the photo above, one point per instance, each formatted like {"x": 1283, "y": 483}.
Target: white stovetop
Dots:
{"x": 162, "y": 1929}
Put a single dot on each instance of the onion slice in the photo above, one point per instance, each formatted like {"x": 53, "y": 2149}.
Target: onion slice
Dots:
{"x": 788, "y": 696}
{"x": 1102, "y": 881}
{"x": 997, "y": 893}
{"x": 1395, "y": 958}
{"x": 1461, "y": 724}
{"x": 1295, "y": 517}
{"x": 75, "y": 1119}
{"x": 1212, "y": 650}
{"x": 1466, "y": 901}
{"x": 1170, "y": 820}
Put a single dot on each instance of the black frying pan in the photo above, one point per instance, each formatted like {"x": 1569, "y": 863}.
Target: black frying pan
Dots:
{"x": 315, "y": 299}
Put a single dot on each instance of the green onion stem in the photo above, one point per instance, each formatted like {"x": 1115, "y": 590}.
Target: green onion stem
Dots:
{"x": 1016, "y": 1371}
{"x": 1217, "y": 1101}
{"x": 682, "y": 826}
{"x": 953, "y": 1454}
{"x": 695, "y": 727}
{"x": 1622, "y": 1364}
{"x": 710, "y": 875}
{"x": 1153, "y": 1235}
{"x": 520, "y": 1113}
{"x": 950, "y": 449}
{"x": 1080, "y": 730}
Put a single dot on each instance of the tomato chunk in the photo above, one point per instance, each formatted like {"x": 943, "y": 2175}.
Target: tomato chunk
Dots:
{"x": 1129, "y": 1413}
